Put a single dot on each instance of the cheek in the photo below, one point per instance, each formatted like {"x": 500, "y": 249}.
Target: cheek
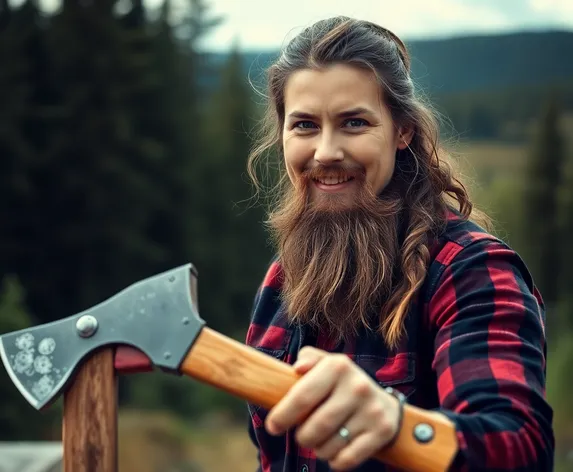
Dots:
{"x": 290, "y": 172}
{"x": 384, "y": 173}
{"x": 289, "y": 162}
{"x": 379, "y": 164}
{"x": 295, "y": 156}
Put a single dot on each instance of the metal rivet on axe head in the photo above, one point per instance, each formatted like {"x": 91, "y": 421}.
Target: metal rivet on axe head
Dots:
{"x": 423, "y": 433}
{"x": 86, "y": 326}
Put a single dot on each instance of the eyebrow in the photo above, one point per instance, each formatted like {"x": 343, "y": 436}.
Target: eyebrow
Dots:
{"x": 343, "y": 114}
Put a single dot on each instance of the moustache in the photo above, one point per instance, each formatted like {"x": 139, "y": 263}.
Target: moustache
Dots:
{"x": 333, "y": 171}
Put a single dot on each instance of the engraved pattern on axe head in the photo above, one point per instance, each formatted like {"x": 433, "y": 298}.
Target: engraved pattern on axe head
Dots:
{"x": 157, "y": 315}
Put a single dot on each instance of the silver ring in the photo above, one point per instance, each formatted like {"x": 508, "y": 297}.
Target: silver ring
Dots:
{"x": 344, "y": 433}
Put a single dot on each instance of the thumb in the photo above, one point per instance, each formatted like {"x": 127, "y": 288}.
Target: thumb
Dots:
{"x": 308, "y": 357}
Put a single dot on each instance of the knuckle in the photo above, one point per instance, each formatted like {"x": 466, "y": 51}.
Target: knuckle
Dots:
{"x": 340, "y": 363}
{"x": 361, "y": 387}
{"x": 382, "y": 426}
{"x": 385, "y": 429}
{"x": 301, "y": 402}
{"x": 306, "y": 350}
{"x": 376, "y": 413}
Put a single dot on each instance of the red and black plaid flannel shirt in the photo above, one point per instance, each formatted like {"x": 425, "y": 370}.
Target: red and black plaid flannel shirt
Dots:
{"x": 475, "y": 351}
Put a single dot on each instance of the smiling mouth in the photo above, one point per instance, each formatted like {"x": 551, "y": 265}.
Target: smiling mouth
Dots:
{"x": 333, "y": 180}
{"x": 332, "y": 184}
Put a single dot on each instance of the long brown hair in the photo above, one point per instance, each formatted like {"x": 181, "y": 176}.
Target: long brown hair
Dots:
{"x": 424, "y": 179}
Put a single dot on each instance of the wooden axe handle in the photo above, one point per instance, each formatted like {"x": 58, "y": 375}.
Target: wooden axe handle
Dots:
{"x": 242, "y": 371}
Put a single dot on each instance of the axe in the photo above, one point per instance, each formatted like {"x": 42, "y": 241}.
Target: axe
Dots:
{"x": 155, "y": 323}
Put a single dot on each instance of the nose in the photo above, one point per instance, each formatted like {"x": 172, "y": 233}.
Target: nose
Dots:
{"x": 328, "y": 150}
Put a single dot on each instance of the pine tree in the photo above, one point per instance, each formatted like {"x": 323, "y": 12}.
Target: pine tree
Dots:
{"x": 236, "y": 231}
{"x": 176, "y": 117}
{"x": 95, "y": 190}
{"x": 565, "y": 247}
{"x": 22, "y": 60}
{"x": 5, "y": 14}
{"x": 542, "y": 206}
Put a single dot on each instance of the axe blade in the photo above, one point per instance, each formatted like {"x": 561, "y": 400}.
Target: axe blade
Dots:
{"x": 157, "y": 315}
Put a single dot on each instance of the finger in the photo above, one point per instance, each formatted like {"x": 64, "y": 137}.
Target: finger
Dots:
{"x": 328, "y": 418}
{"x": 308, "y": 357}
{"x": 356, "y": 425}
{"x": 305, "y": 395}
{"x": 331, "y": 448}
{"x": 301, "y": 399}
{"x": 360, "y": 449}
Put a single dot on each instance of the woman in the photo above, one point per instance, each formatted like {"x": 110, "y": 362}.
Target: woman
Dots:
{"x": 385, "y": 275}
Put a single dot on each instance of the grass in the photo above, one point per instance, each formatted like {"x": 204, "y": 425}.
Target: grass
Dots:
{"x": 159, "y": 441}
{"x": 488, "y": 156}
{"x": 483, "y": 161}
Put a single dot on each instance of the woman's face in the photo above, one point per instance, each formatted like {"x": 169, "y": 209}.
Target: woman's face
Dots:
{"x": 337, "y": 124}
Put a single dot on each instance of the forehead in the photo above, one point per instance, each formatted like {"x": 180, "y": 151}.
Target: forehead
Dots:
{"x": 333, "y": 87}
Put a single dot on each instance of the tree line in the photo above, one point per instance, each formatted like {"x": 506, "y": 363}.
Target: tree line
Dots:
{"x": 117, "y": 163}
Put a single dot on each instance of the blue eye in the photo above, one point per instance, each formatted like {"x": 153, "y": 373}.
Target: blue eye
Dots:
{"x": 304, "y": 124}
{"x": 356, "y": 122}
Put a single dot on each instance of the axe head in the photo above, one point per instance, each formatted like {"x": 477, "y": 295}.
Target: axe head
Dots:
{"x": 158, "y": 316}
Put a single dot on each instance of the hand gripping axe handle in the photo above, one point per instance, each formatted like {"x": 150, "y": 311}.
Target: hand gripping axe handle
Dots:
{"x": 155, "y": 322}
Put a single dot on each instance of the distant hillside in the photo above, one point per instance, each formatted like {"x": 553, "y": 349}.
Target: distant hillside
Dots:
{"x": 476, "y": 63}
{"x": 473, "y": 63}
{"x": 491, "y": 87}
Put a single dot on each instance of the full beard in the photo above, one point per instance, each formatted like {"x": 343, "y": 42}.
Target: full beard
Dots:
{"x": 337, "y": 256}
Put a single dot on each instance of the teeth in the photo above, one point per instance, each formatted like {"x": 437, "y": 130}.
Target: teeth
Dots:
{"x": 333, "y": 180}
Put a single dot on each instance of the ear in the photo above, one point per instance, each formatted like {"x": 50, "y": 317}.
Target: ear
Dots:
{"x": 405, "y": 135}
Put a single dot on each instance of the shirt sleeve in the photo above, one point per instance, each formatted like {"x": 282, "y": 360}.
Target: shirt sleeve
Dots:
{"x": 490, "y": 357}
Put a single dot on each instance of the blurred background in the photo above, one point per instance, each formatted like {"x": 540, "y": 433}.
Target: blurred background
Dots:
{"x": 124, "y": 133}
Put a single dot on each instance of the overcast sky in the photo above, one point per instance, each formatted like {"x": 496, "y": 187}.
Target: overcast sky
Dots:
{"x": 264, "y": 24}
